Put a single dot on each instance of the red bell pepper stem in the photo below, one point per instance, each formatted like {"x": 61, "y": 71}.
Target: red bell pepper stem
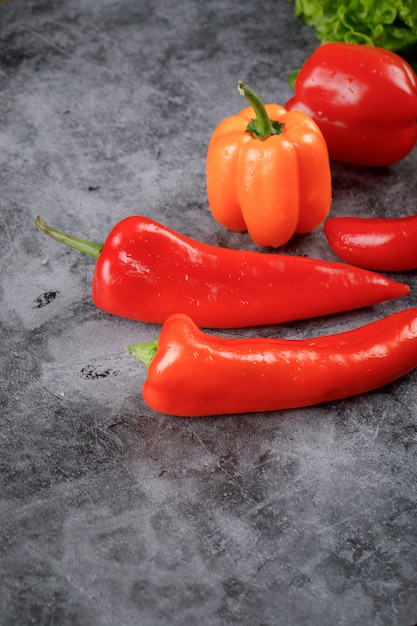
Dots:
{"x": 87, "y": 247}
{"x": 262, "y": 127}
{"x": 196, "y": 374}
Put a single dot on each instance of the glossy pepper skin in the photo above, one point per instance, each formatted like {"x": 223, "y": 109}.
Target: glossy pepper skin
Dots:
{"x": 146, "y": 271}
{"x": 268, "y": 175}
{"x": 383, "y": 244}
{"x": 194, "y": 374}
{"x": 363, "y": 98}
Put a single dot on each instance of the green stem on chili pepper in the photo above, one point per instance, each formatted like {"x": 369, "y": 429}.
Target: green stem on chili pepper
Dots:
{"x": 87, "y": 247}
{"x": 262, "y": 127}
{"x": 144, "y": 352}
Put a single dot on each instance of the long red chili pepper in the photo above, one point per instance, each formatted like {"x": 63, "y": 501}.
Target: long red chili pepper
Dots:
{"x": 147, "y": 272}
{"x": 384, "y": 244}
{"x": 193, "y": 374}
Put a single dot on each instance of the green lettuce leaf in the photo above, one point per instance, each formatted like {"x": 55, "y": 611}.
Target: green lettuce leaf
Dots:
{"x": 390, "y": 24}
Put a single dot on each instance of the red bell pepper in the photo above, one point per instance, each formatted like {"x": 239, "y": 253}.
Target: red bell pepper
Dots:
{"x": 383, "y": 244}
{"x": 145, "y": 271}
{"x": 364, "y": 100}
{"x": 193, "y": 374}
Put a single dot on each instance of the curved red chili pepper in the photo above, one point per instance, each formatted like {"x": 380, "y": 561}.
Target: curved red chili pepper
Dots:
{"x": 147, "y": 272}
{"x": 193, "y": 374}
{"x": 383, "y": 244}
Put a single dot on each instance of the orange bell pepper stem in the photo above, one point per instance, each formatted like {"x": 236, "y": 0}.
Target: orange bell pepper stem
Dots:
{"x": 262, "y": 126}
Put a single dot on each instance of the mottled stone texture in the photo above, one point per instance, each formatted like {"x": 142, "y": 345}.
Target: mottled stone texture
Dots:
{"x": 112, "y": 514}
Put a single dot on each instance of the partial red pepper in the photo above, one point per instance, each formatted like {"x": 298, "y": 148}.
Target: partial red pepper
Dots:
{"x": 364, "y": 100}
{"x": 268, "y": 175}
{"x": 383, "y": 244}
{"x": 146, "y": 272}
{"x": 193, "y": 374}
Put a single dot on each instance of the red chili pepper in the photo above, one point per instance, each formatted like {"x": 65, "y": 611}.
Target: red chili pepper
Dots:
{"x": 384, "y": 244}
{"x": 364, "y": 100}
{"x": 193, "y": 374}
{"x": 146, "y": 272}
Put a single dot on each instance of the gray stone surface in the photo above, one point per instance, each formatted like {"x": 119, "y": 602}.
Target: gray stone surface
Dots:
{"x": 110, "y": 513}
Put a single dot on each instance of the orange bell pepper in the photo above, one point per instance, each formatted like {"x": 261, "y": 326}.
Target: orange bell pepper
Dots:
{"x": 268, "y": 176}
